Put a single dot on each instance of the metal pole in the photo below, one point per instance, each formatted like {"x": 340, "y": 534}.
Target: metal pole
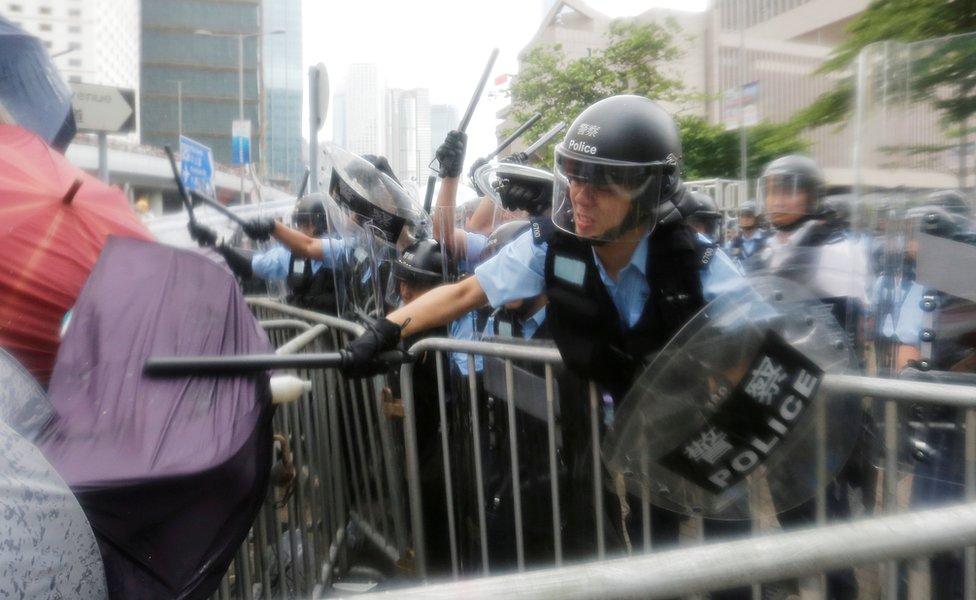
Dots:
{"x": 179, "y": 106}
{"x": 743, "y": 150}
{"x": 313, "y": 132}
{"x": 240, "y": 95}
{"x": 103, "y": 156}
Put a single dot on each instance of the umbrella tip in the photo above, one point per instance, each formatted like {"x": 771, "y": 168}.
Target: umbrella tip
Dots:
{"x": 70, "y": 194}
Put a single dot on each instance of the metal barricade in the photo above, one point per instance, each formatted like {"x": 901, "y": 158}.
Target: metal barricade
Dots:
{"x": 337, "y": 479}
{"x": 348, "y": 471}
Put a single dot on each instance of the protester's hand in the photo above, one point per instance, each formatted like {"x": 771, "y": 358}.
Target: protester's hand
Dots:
{"x": 361, "y": 357}
{"x": 518, "y": 158}
{"x": 531, "y": 196}
{"x": 450, "y": 154}
{"x": 201, "y": 234}
{"x": 259, "y": 228}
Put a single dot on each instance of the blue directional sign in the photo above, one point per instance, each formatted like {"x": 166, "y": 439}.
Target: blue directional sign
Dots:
{"x": 241, "y": 142}
{"x": 196, "y": 166}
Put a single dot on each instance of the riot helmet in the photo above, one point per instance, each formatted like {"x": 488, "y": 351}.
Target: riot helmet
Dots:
{"x": 375, "y": 199}
{"x": 418, "y": 268}
{"x": 748, "y": 218}
{"x": 502, "y": 235}
{"x": 790, "y": 188}
{"x": 309, "y": 215}
{"x": 705, "y": 217}
{"x": 620, "y": 159}
{"x": 836, "y": 210}
{"x": 953, "y": 201}
{"x": 748, "y": 208}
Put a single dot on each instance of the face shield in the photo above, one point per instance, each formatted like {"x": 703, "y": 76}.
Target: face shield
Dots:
{"x": 517, "y": 191}
{"x": 785, "y": 197}
{"x": 599, "y": 199}
{"x": 393, "y": 210}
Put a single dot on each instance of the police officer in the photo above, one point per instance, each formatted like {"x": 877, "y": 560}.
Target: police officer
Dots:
{"x": 819, "y": 254}
{"x": 418, "y": 269}
{"x": 524, "y": 318}
{"x": 751, "y": 239}
{"x": 705, "y": 217}
{"x": 309, "y": 284}
{"x": 618, "y": 287}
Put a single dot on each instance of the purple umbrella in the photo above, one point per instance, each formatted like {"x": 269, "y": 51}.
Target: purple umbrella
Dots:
{"x": 171, "y": 472}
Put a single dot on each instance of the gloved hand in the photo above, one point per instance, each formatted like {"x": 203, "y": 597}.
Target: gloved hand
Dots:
{"x": 450, "y": 154}
{"x": 259, "y": 228}
{"x": 201, "y": 234}
{"x": 382, "y": 165}
{"x": 524, "y": 194}
{"x": 518, "y": 158}
{"x": 361, "y": 357}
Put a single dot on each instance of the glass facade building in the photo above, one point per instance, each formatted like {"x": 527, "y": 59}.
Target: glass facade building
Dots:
{"x": 206, "y": 65}
{"x": 284, "y": 81}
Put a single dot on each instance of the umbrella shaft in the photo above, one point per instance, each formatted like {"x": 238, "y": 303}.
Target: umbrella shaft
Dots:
{"x": 179, "y": 366}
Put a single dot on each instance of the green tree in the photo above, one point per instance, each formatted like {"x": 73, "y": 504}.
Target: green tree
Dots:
{"x": 942, "y": 73}
{"x": 710, "y": 151}
{"x": 633, "y": 62}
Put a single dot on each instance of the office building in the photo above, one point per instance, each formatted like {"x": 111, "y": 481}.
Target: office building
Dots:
{"x": 176, "y": 53}
{"x": 408, "y": 136}
{"x": 284, "y": 80}
{"x": 443, "y": 118}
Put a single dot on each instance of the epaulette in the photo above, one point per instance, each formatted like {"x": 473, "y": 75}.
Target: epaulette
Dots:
{"x": 542, "y": 229}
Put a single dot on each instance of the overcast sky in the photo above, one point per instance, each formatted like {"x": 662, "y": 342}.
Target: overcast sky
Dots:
{"x": 438, "y": 44}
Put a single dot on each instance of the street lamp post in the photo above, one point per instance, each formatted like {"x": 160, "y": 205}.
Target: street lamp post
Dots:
{"x": 240, "y": 74}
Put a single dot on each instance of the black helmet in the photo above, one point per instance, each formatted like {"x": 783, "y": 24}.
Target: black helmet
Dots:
{"x": 934, "y": 220}
{"x": 309, "y": 210}
{"x": 749, "y": 208}
{"x": 953, "y": 201}
{"x": 837, "y": 209}
{"x": 705, "y": 213}
{"x": 625, "y": 145}
{"x": 421, "y": 262}
{"x": 502, "y": 235}
{"x": 795, "y": 173}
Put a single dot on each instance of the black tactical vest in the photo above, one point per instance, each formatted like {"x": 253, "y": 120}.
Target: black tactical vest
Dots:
{"x": 314, "y": 291}
{"x": 583, "y": 320}
{"x": 506, "y": 325}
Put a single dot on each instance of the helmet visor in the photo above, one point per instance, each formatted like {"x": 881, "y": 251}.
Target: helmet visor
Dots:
{"x": 785, "y": 197}
{"x": 598, "y": 199}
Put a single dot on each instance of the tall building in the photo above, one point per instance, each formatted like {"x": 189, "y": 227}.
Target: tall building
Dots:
{"x": 364, "y": 102}
{"x": 95, "y": 41}
{"x": 175, "y": 50}
{"x": 283, "y": 87}
{"x": 338, "y": 110}
{"x": 408, "y": 138}
{"x": 443, "y": 118}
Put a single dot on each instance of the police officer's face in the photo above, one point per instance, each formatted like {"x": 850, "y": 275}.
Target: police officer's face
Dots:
{"x": 785, "y": 204}
{"x": 747, "y": 223}
{"x": 596, "y": 209}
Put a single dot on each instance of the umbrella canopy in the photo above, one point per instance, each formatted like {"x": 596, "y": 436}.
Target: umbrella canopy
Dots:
{"x": 48, "y": 548}
{"x": 171, "y": 472}
{"x": 32, "y": 93}
{"x": 54, "y": 220}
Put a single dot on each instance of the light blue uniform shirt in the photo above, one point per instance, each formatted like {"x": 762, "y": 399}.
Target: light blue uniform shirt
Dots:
{"x": 273, "y": 264}
{"x": 529, "y": 325}
{"x": 518, "y": 271}
{"x": 474, "y": 245}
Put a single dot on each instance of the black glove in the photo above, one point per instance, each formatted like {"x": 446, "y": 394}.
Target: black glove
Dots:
{"x": 523, "y": 194}
{"x": 361, "y": 358}
{"x": 518, "y": 158}
{"x": 201, "y": 234}
{"x": 238, "y": 260}
{"x": 259, "y": 228}
{"x": 450, "y": 154}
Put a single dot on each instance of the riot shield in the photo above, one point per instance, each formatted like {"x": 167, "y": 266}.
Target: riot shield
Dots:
{"x": 373, "y": 196}
{"x": 723, "y": 421}
{"x": 915, "y": 174}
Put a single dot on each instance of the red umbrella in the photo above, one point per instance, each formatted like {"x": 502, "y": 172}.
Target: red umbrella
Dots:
{"x": 54, "y": 220}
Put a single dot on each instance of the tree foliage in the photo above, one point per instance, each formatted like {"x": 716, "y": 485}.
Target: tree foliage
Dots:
{"x": 633, "y": 62}
{"x": 710, "y": 151}
{"x": 904, "y": 21}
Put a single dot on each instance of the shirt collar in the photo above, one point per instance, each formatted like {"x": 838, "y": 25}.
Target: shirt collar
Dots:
{"x": 638, "y": 260}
